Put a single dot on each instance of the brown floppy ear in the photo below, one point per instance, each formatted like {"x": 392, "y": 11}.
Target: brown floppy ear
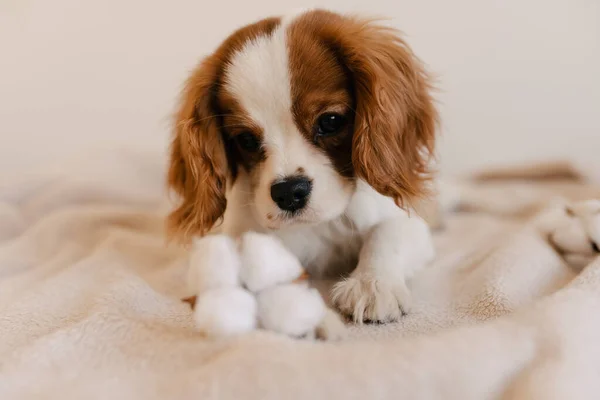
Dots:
{"x": 395, "y": 119}
{"x": 198, "y": 163}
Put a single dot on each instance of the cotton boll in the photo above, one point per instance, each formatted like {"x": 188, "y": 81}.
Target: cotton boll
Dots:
{"x": 214, "y": 263}
{"x": 225, "y": 312}
{"x": 292, "y": 309}
{"x": 266, "y": 262}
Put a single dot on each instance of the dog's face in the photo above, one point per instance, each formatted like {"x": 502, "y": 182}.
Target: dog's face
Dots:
{"x": 299, "y": 109}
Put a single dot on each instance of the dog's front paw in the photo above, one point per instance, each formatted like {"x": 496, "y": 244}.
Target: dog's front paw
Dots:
{"x": 367, "y": 298}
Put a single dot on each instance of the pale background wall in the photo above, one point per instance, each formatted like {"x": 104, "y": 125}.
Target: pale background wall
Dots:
{"x": 519, "y": 79}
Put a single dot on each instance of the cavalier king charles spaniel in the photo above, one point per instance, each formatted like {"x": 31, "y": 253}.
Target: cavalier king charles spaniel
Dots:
{"x": 318, "y": 129}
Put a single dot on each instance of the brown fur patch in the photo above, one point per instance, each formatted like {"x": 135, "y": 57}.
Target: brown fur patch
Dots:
{"x": 203, "y": 157}
{"x": 236, "y": 121}
{"x": 342, "y": 64}
{"x": 320, "y": 84}
{"x": 394, "y": 117}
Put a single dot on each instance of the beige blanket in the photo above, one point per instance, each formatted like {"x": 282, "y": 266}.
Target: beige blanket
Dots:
{"x": 89, "y": 305}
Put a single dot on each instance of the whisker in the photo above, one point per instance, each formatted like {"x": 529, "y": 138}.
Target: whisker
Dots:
{"x": 246, "y": 192}
{"x": 352, "y": 109}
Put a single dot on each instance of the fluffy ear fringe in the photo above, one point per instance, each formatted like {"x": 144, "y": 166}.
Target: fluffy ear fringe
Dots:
{"x": 198, "y": 163}
{"x": 396, "y": 120}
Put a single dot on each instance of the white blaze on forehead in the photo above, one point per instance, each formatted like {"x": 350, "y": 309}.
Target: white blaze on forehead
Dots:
{"x": 259, "y": 78}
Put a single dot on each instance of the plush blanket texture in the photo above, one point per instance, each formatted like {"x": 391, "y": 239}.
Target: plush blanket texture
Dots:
{"x": 89, "y": 303}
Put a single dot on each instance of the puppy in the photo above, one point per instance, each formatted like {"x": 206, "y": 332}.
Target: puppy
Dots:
{"x": 317, "y": 128}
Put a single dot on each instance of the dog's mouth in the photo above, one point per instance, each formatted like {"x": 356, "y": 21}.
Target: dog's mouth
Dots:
{"x": 291, "y": 218}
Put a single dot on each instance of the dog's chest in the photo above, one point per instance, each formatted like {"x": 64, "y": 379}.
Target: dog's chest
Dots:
{"x": 326, "y": 250}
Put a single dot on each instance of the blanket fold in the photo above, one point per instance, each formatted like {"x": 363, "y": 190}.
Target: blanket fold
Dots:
{"x": 90, "y": 305}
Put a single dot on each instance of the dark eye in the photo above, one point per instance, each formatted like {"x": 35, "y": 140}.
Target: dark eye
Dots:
{"x": 330, "y": 123}
{"x": 248, "y": 141}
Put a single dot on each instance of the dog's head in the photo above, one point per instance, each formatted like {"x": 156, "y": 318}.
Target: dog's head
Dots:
{"x": 300, "y": 109}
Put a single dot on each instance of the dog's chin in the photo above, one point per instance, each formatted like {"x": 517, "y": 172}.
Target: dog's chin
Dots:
{"x": 278, "y": 221}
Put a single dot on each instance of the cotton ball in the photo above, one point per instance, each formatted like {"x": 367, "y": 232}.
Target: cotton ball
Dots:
{"x": 214, "y": 263}
{"x": 292, "y": 309}
{"x": 331, "y": 327}
{"x": 266, "y": 262}
{"x": 225, "y": 312}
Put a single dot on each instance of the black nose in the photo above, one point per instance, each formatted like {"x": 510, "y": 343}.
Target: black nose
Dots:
{"x": 291, "y": 194}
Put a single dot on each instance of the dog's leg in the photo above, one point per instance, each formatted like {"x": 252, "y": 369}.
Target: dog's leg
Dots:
{"x": 392, "y": 252}
{"x": 573, "y": 230}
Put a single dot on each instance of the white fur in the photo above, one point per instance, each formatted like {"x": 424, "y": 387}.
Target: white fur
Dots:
{"x": 258, "y": 76}
{"x": 214, "y": 263}
{"x": 393, "y": 251}
{"x": 266, "y": 262}
{"x": 572, "y": 230}
{"x": 341, "y": 217}
{"x": 370, "y": 221}
{"x": 292, "y": 309}
{"x": 225, "y": 312}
